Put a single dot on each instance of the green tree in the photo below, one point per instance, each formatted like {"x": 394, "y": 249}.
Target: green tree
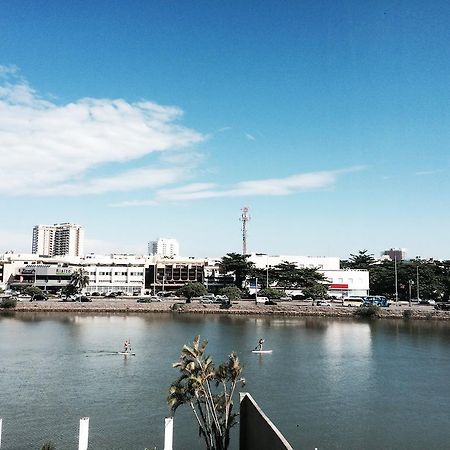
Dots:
{"x": 362, "y": 260}
{"x": 79, "y": 279}
{"x": 34, "y": 291}
{"x": 271, "y": 293}
{"x": 208, "y": 391}
{"x": 68, "y": 290}
{"x": 237, "y": 264}
{"x": 190, "y": 290}
{"x": 288, "y": 276}
{"x": 316, "y": 290}
{"x": 433, "y": 280}
{"x": 232, "y": 292}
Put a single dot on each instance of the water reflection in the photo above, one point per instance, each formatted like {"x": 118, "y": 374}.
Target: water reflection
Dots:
{"x": 324, "y": 375}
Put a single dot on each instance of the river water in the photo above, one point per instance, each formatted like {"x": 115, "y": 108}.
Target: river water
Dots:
{"x": 329, "y": 384}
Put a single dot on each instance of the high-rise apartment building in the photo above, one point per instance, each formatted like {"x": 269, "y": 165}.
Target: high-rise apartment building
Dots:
{"x": 63, "y": 239}
{"x": 43, "y": 240}
{"x": 398, "y": 254}
{"x": 165, "y": 247}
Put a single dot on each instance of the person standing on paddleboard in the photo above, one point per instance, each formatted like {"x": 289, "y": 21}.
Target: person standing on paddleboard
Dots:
{"x": 260, "y": 344}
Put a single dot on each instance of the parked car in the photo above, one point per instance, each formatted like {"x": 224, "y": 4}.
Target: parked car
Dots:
{"x": 149, "y": 299}
{"x": 443, "y": 306}
{"x": 427, "y": 302}
{"x": 96, "y": 294}
{"x": 323, "y": 303}
{"x": 287, "y": 298}
{"x": 83, "y": 298}
{"x": 38, "y": 298}
{"x": 208, "y": 298}
{"x": 111, "y": 295}
{"x": 270, "y": 302}
{"x": 23, "y": 297}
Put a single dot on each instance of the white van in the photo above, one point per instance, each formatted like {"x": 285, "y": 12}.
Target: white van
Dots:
{"x": 262, "y": 299}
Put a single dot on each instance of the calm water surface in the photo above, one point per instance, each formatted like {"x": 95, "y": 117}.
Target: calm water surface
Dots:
{"x": 329, "y": 384}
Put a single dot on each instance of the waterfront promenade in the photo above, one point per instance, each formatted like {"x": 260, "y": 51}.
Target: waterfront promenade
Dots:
{"x": 243, "y": 307}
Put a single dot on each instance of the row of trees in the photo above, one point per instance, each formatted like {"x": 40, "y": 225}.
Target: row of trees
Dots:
{"x": 433, "y": 276}
{"x": 273, "y": 280}
{"x": 283, "y": 276}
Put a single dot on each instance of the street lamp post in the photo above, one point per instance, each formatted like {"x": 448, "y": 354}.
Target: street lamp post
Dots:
{"x": 410, "y": 282}
{"x": 417, "y": 276}
{"x": 396, "y": 279}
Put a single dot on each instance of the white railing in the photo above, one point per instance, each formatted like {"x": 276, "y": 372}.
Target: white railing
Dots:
{"x": 83, "y": 439}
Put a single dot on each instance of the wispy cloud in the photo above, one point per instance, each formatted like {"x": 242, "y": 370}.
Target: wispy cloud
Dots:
{"x": 422, "y": 173}
{"x": 250, "y": 137}
{"x": 265, "y": 187}
{"x": 50, "y": 149}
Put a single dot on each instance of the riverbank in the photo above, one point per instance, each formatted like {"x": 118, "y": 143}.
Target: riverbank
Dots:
{"x": 238, "y": 308}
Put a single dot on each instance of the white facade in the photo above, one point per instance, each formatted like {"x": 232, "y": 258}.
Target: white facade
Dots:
{"x": 164, "y": 247}
{"x": 343, "y": 282}
{"x": 43, "y": 240}
{"x": 58, "y": 240}
{"x": 262, "y": 260}
{"x": 347, "y": 282}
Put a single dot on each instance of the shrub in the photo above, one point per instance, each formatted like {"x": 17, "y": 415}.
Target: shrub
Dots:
{"x": 33, "y": 290}
{"x": 367, "y": 312}
{"x": 407, "y": 314}
{"x": 190, "y": 290}
{"x": 232, "y": 292}
{"x": 48, "y": 446}
{"x": 8, "y": 303}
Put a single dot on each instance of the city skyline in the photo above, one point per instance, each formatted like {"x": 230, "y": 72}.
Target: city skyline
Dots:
{"x": 330, "y": 121}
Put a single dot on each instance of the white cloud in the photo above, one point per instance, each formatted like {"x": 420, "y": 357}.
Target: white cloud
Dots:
{"x": 250, "y": 137}
{"x": 422, "y": 173}
{"x": 46, "y": 148}
{"x": 266, "y": 187}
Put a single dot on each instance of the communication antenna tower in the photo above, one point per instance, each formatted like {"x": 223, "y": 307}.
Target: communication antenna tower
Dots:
{"x": 245, "y": 217}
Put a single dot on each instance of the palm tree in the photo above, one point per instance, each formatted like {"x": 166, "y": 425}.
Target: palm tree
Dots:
{"x": 212, "y": 408}
{"x": 79, "y": 279}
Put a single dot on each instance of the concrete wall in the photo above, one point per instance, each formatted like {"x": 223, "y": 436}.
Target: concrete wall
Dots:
{"x": 256, "y": 431}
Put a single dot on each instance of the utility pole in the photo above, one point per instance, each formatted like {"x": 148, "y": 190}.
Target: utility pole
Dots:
{"x": 396, "y": 279}
{"x": 418, "y": 295}
{"x": 245, "y": 217}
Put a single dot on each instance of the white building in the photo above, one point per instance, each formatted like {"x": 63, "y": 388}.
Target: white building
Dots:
{"x": 164, "y": 247}
{"x": 342, "y": 282}
{"x": 58, "y": 240}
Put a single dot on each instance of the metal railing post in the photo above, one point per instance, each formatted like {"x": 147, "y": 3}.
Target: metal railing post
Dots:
{"x": 168, "y": 433}
{"x": 84, "y": 433}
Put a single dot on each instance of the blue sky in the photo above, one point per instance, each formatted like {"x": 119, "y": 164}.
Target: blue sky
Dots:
{"x": 140, "y": 119}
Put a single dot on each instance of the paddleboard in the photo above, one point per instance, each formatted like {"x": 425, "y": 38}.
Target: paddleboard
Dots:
{"x": 261, "y": 351}
{"x": 126, "y": 353}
